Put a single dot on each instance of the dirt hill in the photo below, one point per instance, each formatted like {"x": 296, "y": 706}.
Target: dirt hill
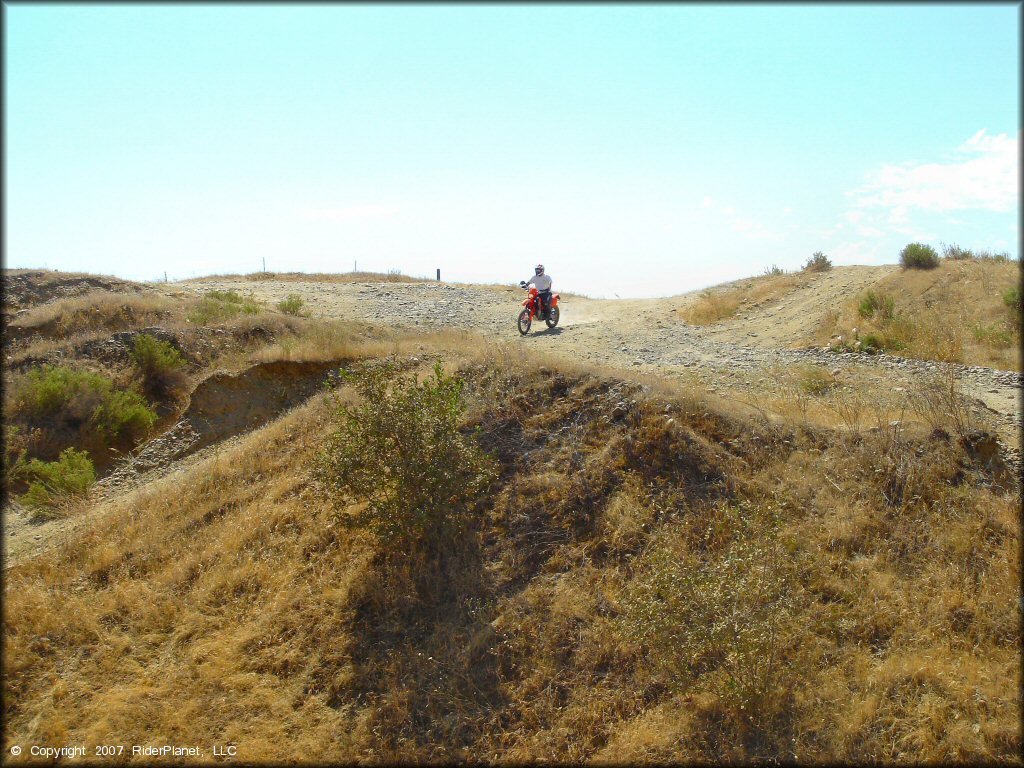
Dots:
{"x": 691, "y": 549}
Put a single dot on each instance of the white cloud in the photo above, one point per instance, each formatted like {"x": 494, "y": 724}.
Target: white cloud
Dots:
{"x": 349, "y": 213}
{"x": 751, "y": 229}
{"x": 744, "y": 225}
{"x": 985, "y": 178}
{"x": 870, "y": 232}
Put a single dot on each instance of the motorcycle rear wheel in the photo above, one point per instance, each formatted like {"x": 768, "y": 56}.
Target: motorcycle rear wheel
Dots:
{"x": 552, "y": 318}
{"x": 525, "y": 321}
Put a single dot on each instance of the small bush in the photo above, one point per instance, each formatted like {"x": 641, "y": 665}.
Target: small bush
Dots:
{"x": 51, "y": 481}
{"x": 1012, "y": 300}
{"x": 229, "y": 297}
{"x": 218, "y": 306}
{"x": 873, "y": 343}
{"x": 919, "y": 256}
{"x": 292, "y": 305}
{"x": 401, "y": 452}
{"x": 819, "y": 262}
{"x": 160, "y": 365}
{"x": 992, "y": 335}
{"x": 716, "y": 615}
{"x": 15, "y": 450}
{"x": 711, "y": 307}
{"x": 774, "y": 271}
{"x": 1000, "y": 256}
{"x": 880, "y": 304}
{"x": 956, "y": 253}
{"x": 75, "y": 406}
{"x": 817, "y": 381}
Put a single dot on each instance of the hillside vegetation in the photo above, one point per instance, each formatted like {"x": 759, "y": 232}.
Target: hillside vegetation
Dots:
{"x": 956, "y": 312}
{"x": 648, "y": 579}
{"x": 460, "y": 552}
{"x": 961, "y": 311}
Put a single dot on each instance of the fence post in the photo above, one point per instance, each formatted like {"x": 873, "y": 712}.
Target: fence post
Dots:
{"x": 439, "y": 274}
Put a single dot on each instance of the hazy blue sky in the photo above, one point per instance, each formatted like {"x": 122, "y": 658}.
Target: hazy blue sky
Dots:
{"x": 636, "y": 151}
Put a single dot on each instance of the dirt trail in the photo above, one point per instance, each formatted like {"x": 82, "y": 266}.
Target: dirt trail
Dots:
{"x": 791, "y": 319}
{"x": 735, "y": 357}
{"x": 739, "y": 359}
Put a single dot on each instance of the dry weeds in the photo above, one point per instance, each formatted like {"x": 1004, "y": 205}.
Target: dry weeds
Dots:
{"x": 96, "y": 310}
{"x": 723, "y": 302}
{"x": 229, "y": 606}
{"x": 954, "y": 313}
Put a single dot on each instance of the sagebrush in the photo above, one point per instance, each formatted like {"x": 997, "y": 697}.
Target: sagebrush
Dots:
{"x": 401, "y": 452}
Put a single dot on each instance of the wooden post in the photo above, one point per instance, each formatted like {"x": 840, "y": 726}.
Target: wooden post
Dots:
{"x": 165, "y": 277}
{"x": 439, "y": 274}
{"x": 264, "y": 263}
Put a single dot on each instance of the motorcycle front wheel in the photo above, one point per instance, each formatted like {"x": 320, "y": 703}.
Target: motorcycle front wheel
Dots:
{"x": 524, "y": 322}
{"x": 552, "y": 318}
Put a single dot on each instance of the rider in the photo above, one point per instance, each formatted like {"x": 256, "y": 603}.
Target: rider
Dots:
{"x": 542, "y": 283}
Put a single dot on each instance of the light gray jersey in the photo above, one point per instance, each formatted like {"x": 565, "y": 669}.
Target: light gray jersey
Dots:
{"x": 541, "y": 282}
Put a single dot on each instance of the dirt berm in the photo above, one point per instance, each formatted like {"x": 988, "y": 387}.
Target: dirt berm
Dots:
{"x": 224, "y": 405}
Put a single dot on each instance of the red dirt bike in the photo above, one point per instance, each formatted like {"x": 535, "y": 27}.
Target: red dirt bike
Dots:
{"x": 532, "y": 309}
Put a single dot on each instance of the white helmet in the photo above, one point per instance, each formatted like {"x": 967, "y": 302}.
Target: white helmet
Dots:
{"x": 539, "y": 269}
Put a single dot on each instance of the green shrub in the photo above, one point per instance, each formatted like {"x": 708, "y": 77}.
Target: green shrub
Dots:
{"x": 218, "y": 306}
{"x": 401, "y": 452}
{"x": 817, "y": 381}
{"x": 880, "y": 304}
{"x": 873, "y": 343}
{"x": 919, "y": 256}
{"x": 79, "y": 405}
{"x": 160, "y": 366}
{"x": 818, "y": 262}
{"x": 52, "y": 481}
{"x": 292, "y": 305}
{"x": 714, "y": 613}
{"x": 229, "y": 297}
{"x": 1012, "y": 300}
{"x": 774, "y": 271}
{"x": 992, "y": 335}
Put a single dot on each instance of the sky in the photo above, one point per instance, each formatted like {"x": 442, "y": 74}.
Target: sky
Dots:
{"x": 634, "y": 150}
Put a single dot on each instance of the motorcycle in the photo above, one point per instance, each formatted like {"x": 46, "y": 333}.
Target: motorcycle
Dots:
{"x": 532, "y": 308}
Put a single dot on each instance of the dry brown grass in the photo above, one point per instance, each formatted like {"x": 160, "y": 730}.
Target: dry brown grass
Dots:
{"x": 94, "y": 311}
{"x": 228, "y": 605}
{"x": 954, "y": 313}
{"x": 720, "y": 303}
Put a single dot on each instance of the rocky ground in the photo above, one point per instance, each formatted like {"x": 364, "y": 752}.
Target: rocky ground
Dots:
{"x": 743, "y": 358}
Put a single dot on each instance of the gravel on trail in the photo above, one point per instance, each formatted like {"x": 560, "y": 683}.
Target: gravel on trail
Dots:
{"x": 644, "y": 334}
